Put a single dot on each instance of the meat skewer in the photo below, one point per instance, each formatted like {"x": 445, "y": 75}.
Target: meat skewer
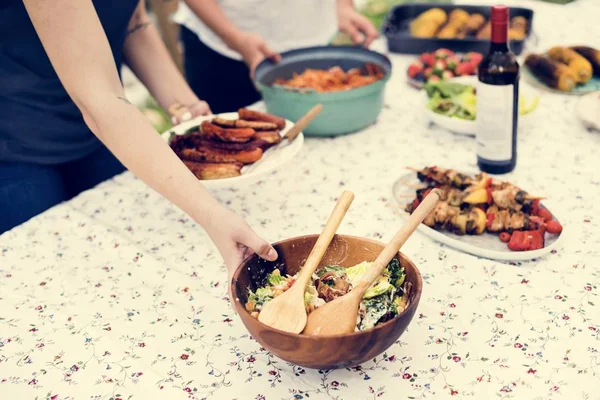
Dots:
{"x": 510, "y": 197}
{"x": 443, "y": 177}
{"x": 509, "y": 221}
{"x": 474, "y": 221}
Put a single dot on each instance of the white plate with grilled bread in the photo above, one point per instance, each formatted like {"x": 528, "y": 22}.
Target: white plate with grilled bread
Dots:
{"x": 486, "y": 245}
{"x": 225, "y": 150}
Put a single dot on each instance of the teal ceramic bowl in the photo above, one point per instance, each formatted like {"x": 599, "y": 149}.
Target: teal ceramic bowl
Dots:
{"x": 343, "y": 111}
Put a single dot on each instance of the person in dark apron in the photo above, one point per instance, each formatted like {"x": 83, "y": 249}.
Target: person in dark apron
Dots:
{"x": 65, "y": 124}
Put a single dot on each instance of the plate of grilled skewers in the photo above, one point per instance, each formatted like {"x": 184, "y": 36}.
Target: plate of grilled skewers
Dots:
{"x": 231, "y": 148}
{"x": 481, "y": 215}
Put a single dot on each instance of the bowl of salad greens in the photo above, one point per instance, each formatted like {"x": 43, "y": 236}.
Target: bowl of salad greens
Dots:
{"x": 452, "y": 104}
{"x": 384, "y": 313}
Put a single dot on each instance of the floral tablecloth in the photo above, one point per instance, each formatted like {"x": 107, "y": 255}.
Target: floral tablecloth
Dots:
{"x": 118, "y": 295}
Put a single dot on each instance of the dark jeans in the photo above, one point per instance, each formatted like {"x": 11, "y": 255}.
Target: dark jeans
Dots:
{"x": 223, "y": 83}
{"x": 28, "y": 189}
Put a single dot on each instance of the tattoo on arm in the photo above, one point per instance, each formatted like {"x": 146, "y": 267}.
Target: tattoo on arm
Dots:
{"x": 124, "y": 99}
{"x": 138, "y": 26}
{"x": 139, "y": 19}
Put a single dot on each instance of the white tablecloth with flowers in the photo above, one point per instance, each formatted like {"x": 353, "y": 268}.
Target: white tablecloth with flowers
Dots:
{"x": 118, "y": 295}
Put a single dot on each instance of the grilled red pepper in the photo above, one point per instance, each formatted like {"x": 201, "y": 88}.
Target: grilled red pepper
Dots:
{"x": 535, "y": 207}
{"x": 542, "y": 229}
{"x": 415, "y": 204}
{"x": 490, "y": 198}
{"x": 490, "y": 220}
{"x": 526, "y": 240}
{"x": 544, "y": 214}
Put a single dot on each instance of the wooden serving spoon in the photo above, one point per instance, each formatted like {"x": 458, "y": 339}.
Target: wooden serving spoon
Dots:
{"x": 286, "y": 312}
{"x": 288, "y": 138}
{"x": 339, "y": 316}
{"x": 302, "y": 123}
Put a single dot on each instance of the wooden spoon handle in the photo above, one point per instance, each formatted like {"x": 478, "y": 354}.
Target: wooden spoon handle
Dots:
{"x": 392, "y": 248}
{"x": 303, "y": 122}
{"x": 325, "y": 238}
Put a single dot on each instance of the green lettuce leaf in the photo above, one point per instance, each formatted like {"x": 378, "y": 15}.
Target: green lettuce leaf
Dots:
{"x": 381, "y": 287}
{"x": 330, "y": 268}
{"x": 376, "y": 308}
{"x": 276, "y": 279}
{"x": 384, "y": 284}
{"x": 261, "y": 296}
{"x": 467, "y": 105}
{"x": 308, "y": 297}
{"x": 397, "y": 274}
{"x": 356, "y": 272}
{"x": 446, "y": 89}
{"x": 452, "y": 99}
{"x": 442, "y": 105}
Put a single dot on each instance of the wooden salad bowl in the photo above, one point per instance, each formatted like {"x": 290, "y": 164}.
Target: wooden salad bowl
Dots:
{"x": 322, "y": 352}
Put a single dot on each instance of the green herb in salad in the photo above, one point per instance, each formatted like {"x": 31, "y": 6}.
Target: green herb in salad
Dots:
{"x": 457, "y": 100}
{"x": 452, "y": 99}
{"x": 385, "y": 299}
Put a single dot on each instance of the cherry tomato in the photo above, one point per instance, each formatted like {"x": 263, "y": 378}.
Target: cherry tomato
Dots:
{"x": 505, "y": 237}
{"x": 544, "y": 214}
{"x": 542, "y": 229}
{"x": 415, "y": 68}
{"x": 554, "y": 227}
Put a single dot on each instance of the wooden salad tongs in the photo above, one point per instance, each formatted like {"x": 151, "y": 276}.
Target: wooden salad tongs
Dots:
{"x": 339, "y": 316}
{"x": 287, "y": 312}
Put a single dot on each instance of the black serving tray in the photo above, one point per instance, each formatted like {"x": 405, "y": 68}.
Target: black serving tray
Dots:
{"x": 396, "y": 30}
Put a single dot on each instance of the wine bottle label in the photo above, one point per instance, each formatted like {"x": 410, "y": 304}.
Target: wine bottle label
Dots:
{"x": 494, "y": 121}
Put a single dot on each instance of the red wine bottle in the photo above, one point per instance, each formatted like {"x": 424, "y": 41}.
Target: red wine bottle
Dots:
{"x": 498, "y": 101}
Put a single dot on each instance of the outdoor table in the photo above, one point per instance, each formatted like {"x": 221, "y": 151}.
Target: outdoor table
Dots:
{"x": 117, "y": 294}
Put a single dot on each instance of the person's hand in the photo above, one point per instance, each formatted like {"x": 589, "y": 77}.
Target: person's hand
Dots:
{"x": 235, "y": 241}
{"x": 360, "y": 29}
{"x": 180, "y": 113}
{"x": 253, "y": 49}
{"x": 234, "y": 238}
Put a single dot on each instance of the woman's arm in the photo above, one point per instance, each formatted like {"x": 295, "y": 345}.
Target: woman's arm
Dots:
{"x": 252, "y": 47}
{"x": 147, "y": 56}
{"x": 80, "y": 54}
